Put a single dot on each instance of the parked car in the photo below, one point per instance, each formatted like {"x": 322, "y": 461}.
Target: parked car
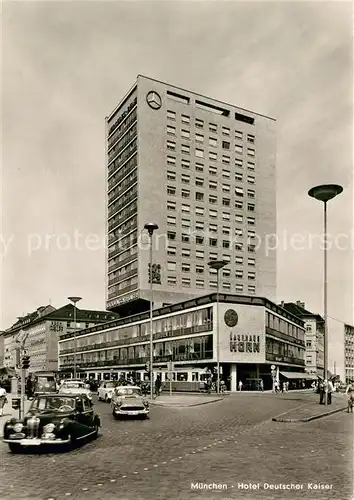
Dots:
{"x": 106, "y": 389}
{"x": 75, "y": 387}
{"x": 129, "y": 401}
{"x": 53, "y": 419}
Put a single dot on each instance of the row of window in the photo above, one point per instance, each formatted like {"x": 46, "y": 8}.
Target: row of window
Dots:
{"x": 186, "y": 193}
{"x": 213, "y": 214}
{"x": 199, "y": 269}
{"x": 212, "y": 127}
{"x": 283, "y": 326}
{"x": 201, "y": 255}
{"x": 212, "y": 141}
{"x": 212, "y": 155}
{"x": 213, "y": 200}
{"x": 211, "y": 228}
{"x": 213, "y": 169}
{"x": 213, "y": 242}
{"x": 200, "y": 283}
{"x": 201, "y": 181}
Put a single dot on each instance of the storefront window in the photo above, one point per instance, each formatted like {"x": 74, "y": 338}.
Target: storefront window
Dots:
{"x": 182, "y": 376}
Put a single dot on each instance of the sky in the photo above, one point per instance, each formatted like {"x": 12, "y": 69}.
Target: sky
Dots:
{"x": 65, "y": 66}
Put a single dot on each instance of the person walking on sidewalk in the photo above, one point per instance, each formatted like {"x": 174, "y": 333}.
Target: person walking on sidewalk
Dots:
{"x": 240, "y": 384}
{"x": 158, "y": 384}
{"x": 350, "y": 393}
{"x": 3, "y": 399}
{"x": 330, "y": 390}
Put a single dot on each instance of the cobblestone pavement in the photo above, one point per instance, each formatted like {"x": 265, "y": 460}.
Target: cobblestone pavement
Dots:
{"x": 228, "y": 442}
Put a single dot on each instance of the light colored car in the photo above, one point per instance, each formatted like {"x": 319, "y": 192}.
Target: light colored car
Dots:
{"x": 106, "y": 389}
{"x": 75, "y": 387}
{"x": 128, "y": 401}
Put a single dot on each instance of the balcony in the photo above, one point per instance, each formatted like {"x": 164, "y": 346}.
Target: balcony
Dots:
{"x": 121, "y": 218}
{"x": 123, "y": 203}
{"x": 123, "y": 262}
{"x": 123, "y": 277}
{"x": 129, "y": 150}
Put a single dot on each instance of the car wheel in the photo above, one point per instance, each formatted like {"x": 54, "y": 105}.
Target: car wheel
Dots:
{"x": 95, "y": 435}
{"x": 15, "y": 448}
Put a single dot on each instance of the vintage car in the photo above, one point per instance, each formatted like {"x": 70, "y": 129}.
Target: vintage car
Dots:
{"x": 44, "y": 383}
{"x": 106, "y": 389}
{"x": 128, "y": 401}
{"x": 53, "y": 419}
{"x": 75, "y": 387}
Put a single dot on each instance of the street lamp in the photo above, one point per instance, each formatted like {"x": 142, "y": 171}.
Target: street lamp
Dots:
{"x": 74, "y": 300}
{"x": 217, "y": 264}
{"x": 151, "y": 227}
{"x": 325, "y": 193}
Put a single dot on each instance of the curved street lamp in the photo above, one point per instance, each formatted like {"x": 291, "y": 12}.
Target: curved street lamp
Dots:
{"x": 217, "y": 265}
{"x": 74, "y": 300}
{"x": 151, "y": 227}
{"x": 324, "y": 193}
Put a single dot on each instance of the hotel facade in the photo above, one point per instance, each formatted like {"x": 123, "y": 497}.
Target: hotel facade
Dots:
{"x": 204, "y": 172}
{"x": 254, "y": 335}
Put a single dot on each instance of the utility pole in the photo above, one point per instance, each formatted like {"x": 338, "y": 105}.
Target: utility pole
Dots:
{"x": 22, "y": 352}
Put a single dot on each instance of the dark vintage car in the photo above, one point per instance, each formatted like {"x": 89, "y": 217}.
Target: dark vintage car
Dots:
{"x": 128, "y": 401}
{"x": 53, "y": 419}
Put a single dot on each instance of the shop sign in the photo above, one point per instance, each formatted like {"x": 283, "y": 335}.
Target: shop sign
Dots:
{"x": 244, "y": 343}
{"x": 123, "y": 300}
{"x": 56, "y": 326}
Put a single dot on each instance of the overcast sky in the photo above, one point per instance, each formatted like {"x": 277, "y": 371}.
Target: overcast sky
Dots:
{"x": 67, "y": 64}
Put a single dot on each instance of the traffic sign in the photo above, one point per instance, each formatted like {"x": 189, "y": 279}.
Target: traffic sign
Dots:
{"x": 272, "y": 367}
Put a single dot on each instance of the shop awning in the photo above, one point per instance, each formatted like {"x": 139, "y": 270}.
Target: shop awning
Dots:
{"x": 298, "y": 376}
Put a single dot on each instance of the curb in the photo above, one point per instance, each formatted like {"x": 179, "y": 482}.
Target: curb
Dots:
{"x": 309, "y": 419}
{"x": 176, "y": 405}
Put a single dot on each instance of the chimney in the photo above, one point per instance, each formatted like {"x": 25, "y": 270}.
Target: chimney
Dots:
{"x": 300, "y": 304}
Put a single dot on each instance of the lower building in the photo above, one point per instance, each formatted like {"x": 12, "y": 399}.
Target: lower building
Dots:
{"x": 253, "y": 337}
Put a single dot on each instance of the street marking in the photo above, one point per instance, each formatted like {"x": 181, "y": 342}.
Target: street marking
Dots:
{"x": 99, "y": 484}
{"x": 112, "y": 480}
{"x": 179, "y": 457}
{"x": 156, "y": 465}
{"x": 124, "y": 476}
{"x": 67, "y": 494}
{"x": 135, "y": 472}
{"x": 84, "y": 489}
{"x": 193, "y": 451}
{"x": 172, "y": 459}
{"x": 164, "y": 463}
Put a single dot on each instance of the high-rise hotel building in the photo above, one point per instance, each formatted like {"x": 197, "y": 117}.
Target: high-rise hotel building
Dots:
{"x": 204, "y": 172}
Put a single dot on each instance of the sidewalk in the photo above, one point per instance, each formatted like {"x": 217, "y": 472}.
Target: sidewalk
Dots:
{"x": 312, "y": 410}
{"x": 185, "y": 400}
{"x": 10, "y": 413}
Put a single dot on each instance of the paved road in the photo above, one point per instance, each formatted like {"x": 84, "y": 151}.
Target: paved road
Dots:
{"x": 229, "y": 442}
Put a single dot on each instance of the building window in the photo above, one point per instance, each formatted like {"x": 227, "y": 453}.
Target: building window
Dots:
{"x": 199, "y": 153}
{"x": 226, "y": 257}
{"x": 171, "y": 250}
{"x": 239, "y": 192}
{"x": 171, "y": 280}
{"x": 199, "y": 181}
{"x": 171, "y": 235}
{"x": 186, "y": 268}
{"x": 226, "y": 286}
{"x": 186, "y": 282}
{"x": 226, "y": 244}
{"x": 239, "y": 287}
{"x": 171, "y": 115}
{"x": 213, "y": 185}
{"x": 199, "y": 254}
{"x": 239, "y": 218}
{"x": 239, "y": 246}
{"x": 226, "y": 272}
{"x": 213, "y": 242}
{"x": 239, "y": 205}
{"x": 251, "y": 165}
{"x": 225, "y": 131}
{"x": 251, "y": 179}
{"x": 199, "y": 123}
{"x": 251, "y": 261}
{"x": 226, "y": 188}
{"x": 199, "y": 269}
{"x": 213, "y": 156}
{"x": 199, "y": 225}
{"x": 213, "y": 170}
{"x": 225, "y": 145}
{"x": 185, "y": 119}
{"x": 213, "y": 256}
{"x": 185, "y": 252}
{"x": 309, "y": 343}
{"x": 251, "y": 234}
{"x": 213, "y": 284}
{"x": 213, "y": 142}
{"x": 171, "y": 176}
{"x": 251, "y": 289}
{"x": 199, "y": 137}
{"x": 185, "y": 193}
{"x": 251, "y": 193}
{"x": 250, "y": 138}
{"x": 185, "y": 163}
{"x": 213, "y": 228}
{"x": 185, "y": 149}
{"x": 171, "y": 145}
{"x": 238, "y": 177}
{"x": 238, "y": 259}
{"x": 226, "y": 216}
{"x": 185, "y": 238}
{"x": 251, "y": 275}
{"x": 199, "y": 167}
{"x": 199, "y": 210}
{"x": 226, "y": 202}
{"x": 171, "y": 160}
{"x": 185, "y": 134}
{"x": 199, "y": 283}
{"x": 250, "y": 207}
{"x": 226, "y": 230}
{"x": 238, "y": 134}
{"x": 251, "y": 221}
{"x": 185, "y": 208}
{"x": 171, "y": 221}
{"x": 226, "y": 159}
{"x": 199, "y": 240}
{"x": 171, "y": 266}
{"x": 251, "y": 248}
{"x": 213, "y": 214}
{"x": 199, "y": 196}
{"x": 213, "y": 127}
{"x": 239, "y": 232}
{"x": 239, "y": 162}
{"x": 171, "y": 205}
{"x": 185, "y": 223}
{"x": 226, "y": 173}
{"x": 251, "y": 152}
{"x": 185, "y": 178}
{"x": 238, "y": 149}
{"x": 171, "y": 130}
{"x": 171, "y": 190}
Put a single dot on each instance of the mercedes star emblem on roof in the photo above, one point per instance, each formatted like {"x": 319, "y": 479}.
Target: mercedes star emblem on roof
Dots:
{"x": 154, "y": 100}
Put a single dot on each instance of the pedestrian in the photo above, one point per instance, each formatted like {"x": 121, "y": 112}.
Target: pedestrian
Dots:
{"x": 222, "y": 386}
{"x": 240, "y": 384}
{"x": 330, "y": 390}
{"x": 3, "y": 399}
{"x": 322, "y": 391}
{"x": 158, "y": 386}
{"x": 283, "y": 387}
{"x": 261, "y": 385}
{"x": 350, "y": 393}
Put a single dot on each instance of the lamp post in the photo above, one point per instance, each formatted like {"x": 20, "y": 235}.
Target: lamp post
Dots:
{"x": 151, "y": 227}
{"x": 74, "y": 300}
{"x": 325, "y": 192}
{"x": 217, "y": 264}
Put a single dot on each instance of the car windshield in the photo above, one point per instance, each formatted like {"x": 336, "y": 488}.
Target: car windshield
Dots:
{"x": 53, "y": 403}
{"x": 128, "y": 391}
{"x": 73, "y": 385}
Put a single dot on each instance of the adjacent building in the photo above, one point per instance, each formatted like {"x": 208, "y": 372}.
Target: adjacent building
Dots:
{"x": 40, "y": 331}
{"x": 204, "y": 171}
{"x": 254, "y": 335}
{"x": 349, "y": 352}
{"x": 314, "y": 336}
